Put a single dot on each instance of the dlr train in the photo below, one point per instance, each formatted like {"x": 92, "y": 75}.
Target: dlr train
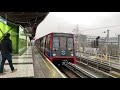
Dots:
{"x": 58, "y": 47}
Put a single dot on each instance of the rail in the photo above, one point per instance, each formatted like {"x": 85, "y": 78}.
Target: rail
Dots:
{"x": 79, "y": 71}
{"x": 95, "y": 71}
{"x": 103, "y": 65}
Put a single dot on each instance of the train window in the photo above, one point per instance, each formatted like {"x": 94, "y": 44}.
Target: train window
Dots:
{"x": 70, "y": 43}
{"x": 62, "y": 42}
{"x": 55, "y": 42}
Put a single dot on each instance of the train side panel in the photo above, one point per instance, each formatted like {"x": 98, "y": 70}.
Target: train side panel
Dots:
{"x": 48, "y": 46}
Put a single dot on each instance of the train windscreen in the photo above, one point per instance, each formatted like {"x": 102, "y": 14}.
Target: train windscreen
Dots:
{"x": 63, "y": 42}
{"x": 70, "y": 43}
{"x": 56, "y": 42}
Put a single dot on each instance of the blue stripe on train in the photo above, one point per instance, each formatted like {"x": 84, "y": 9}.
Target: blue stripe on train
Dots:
{"x": 49, "y": 53}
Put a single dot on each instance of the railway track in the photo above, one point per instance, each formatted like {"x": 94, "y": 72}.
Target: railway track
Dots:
{"x": 96, "y": 64}
{"x": 94, "y": 71}
{"x": 103, "y": 66}
{"x": 77, "y": 71}
{"x": 73, "y": 71}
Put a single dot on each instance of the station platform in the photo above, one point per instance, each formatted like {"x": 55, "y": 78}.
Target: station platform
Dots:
{"x": 31, "y": 65}
{"x": 23, "y": 64}
{"x": 43, "y": 68}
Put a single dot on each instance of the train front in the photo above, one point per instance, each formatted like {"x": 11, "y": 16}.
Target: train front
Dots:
{"x": 63, "y": 49}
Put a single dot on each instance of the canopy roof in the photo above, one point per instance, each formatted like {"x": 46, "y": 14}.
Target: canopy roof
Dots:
{"x": 26, "y": 19}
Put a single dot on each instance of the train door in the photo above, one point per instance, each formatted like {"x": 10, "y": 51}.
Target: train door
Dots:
{"x": 45, "y": 45}
{"x": 63, "y": 49}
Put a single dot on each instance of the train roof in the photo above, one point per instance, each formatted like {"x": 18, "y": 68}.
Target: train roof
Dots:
{"x": 60, "y": 33}
{"x": 55, "y": 33}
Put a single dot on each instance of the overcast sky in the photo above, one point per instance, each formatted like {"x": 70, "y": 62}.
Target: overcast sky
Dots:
{"x": 88, "y": 23}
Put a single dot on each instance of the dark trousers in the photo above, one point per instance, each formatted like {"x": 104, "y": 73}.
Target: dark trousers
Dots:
{"x": 9, "y": 58}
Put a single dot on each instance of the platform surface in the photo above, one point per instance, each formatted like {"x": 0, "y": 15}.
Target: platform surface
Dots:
{"x": 43, "y": 68}
{"x": 23, "y": 64}
{"x": 31, "y": 64}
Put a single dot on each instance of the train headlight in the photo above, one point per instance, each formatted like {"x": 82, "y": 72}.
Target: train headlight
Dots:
{"x": 69, "y": 48}
{"x": 71, "y": 54}
{"x": 54, "y": 54}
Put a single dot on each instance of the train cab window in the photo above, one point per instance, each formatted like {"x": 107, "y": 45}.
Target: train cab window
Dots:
{"x": 70, "y": 43}
{"x": 56, "y": 42}
{"x": 63, "y": 42}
